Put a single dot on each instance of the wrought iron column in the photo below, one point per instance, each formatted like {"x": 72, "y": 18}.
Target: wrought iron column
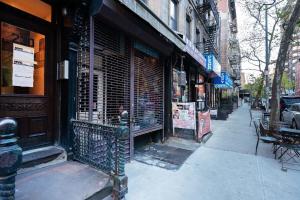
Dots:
{"x": 132, "y": 123}
{"x": 10, "y": 158}
{"x": 91, "y": 78}
{"x": 120, "y": 180}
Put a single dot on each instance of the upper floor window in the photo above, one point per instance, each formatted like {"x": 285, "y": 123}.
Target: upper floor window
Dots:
{"x": 173, "y": 14}
{"x": 198, "y": 39}
{"x": 188, "y": 28}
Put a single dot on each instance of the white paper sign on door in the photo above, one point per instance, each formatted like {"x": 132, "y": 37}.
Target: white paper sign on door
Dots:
{"x": 23, "y": 66}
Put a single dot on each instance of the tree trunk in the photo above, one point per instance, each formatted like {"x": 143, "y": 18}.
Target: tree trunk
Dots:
{"x": 282, "y": 54}
{"x": 258, "y": 95}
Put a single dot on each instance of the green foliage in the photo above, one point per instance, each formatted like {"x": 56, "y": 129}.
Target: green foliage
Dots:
{"x": 286, "y": 83}
{"x": 256, "y": 88}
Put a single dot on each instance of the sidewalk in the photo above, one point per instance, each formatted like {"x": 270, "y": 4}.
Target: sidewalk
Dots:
{"x": 225, "y": 168}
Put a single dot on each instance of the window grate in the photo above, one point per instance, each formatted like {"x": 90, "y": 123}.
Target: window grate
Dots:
{"x": 148, "y": 94}
{"x": 111, "y": 76}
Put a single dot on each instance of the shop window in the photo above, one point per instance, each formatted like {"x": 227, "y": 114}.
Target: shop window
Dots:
{"x": 173, "y": 14}
{"x": 176, "y": 88}
{"x": 22, "y": 61}
{"x": 37, "y": 8}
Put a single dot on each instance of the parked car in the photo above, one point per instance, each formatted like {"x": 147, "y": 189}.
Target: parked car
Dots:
{"x": 286, "y": 102}
{"x": 291, "y": 115}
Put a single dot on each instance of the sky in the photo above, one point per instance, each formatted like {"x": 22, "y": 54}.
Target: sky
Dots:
{"x": 245, "y": 25}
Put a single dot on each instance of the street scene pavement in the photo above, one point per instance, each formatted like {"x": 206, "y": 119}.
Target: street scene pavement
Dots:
{"x": 224, "y": 168}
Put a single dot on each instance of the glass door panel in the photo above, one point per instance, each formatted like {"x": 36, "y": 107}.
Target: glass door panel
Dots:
{"x": 22, "y": 61}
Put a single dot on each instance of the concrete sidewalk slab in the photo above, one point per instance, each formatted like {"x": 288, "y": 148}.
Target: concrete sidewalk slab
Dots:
{"x": 225, "y": 168}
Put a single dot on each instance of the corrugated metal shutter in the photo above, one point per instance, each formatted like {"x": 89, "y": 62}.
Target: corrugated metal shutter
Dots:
{"x": 111, "y": 76}
{"x": 148, "y": 94}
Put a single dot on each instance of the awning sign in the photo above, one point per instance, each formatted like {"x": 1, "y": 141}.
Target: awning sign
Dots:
{"x": 23, "y": 66}
{"x": 224, "y": 81}
{"x": 194, "y": 52}
{"x": 212, "y": 64}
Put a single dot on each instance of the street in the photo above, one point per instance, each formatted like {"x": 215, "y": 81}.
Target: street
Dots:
{"x": 225, "y": 167}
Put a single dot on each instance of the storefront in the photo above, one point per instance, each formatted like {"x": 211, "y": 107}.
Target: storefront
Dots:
{"x": 28, "y": 69}
{"x": 213, "y": 67}
{"x": 122, "y": 70}
{"x": 225, "y": 85}
{"x": 190, "y": 95}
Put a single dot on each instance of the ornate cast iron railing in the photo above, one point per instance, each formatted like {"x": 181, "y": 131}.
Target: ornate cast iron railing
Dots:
{"x": 94, "y": 144}
{"x": 103, "y": 147}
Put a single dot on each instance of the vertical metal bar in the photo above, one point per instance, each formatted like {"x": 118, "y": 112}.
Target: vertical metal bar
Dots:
{"x": 131, "y": 100}
{"x": 91, "y": 71}
{"x": 163, "y": 114}
{"x": 0, "y": 51}
{"x": 267, "y": 58}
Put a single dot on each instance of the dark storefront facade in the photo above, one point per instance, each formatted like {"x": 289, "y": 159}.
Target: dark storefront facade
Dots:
{"x": 123, "y": 69}
{"x": 213, "y": 67}
{"x": 190, "y": 94}
{"x": 116, "y": 62}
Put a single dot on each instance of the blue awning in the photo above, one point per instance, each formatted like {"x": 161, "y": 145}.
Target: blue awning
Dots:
{"x": 212, "y": 64}
{"x": 223, "y": 82}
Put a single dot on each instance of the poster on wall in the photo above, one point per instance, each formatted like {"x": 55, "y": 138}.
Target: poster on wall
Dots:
{"x": 184, "y": 115}
{"x": 23, "y": 66}
{"x": 204, "y": 124}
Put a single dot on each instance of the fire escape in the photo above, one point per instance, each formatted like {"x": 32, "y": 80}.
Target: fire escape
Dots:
{"x": 210, "y": 17}
{"x": 234, "y": 47}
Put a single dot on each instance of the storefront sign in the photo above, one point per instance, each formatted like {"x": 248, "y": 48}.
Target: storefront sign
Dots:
{"x": 224, "y": 81}
{"x": 204, "y": 124}
{"x": 184, "y": 115}
{"x": 193, "y": 51}
{"x": 23, "y": 66}
{"x": 212, "y": 64}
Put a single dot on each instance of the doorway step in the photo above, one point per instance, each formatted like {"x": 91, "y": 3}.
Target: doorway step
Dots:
{"x": 43, "y": 156}
{"x": 61, "y": 181}
{"x": 47, "y": 174}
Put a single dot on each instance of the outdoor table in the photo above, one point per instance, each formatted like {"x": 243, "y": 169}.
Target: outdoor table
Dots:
{"x": 290, "y": 141}
{"x": 289, "y": 132}
{"x": 266, "y": 130}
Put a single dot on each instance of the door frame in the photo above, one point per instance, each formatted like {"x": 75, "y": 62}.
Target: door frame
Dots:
{"x": 27, "y": 21}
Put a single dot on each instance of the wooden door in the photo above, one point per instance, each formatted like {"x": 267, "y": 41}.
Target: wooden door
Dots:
{"x": 27, "y": 78}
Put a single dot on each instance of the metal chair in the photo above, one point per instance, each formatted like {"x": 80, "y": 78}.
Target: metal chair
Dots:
{"x": 265, "y": 139}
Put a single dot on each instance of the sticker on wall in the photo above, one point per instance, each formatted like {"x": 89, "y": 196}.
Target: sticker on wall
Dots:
{"x": 23, "y": 66}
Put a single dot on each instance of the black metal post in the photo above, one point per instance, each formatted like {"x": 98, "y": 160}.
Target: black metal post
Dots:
{"x": 73, "y": 49}
{"x": 10, "y": 158}
{"x": 267, "y": 58}
{"x": 91, "y": 72}
{"x": 120, "y": 180}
